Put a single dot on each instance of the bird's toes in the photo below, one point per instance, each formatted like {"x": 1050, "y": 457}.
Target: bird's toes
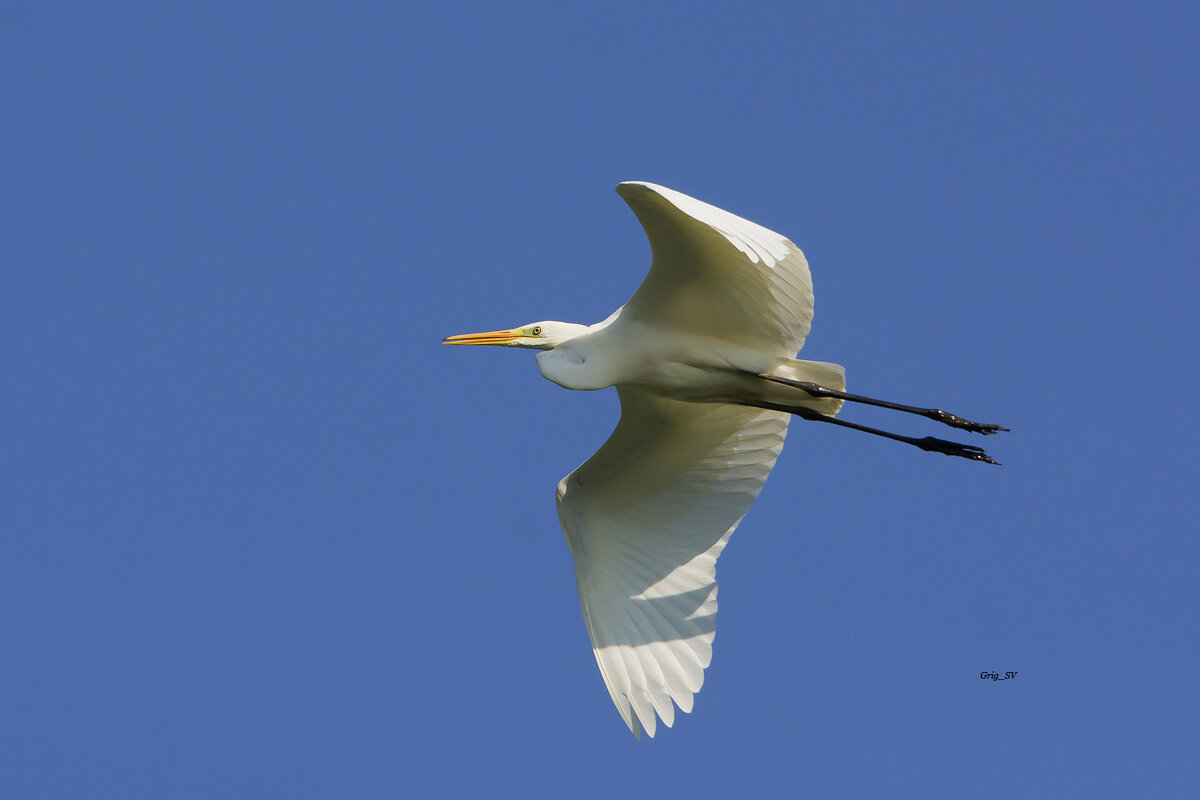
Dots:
{"x": 984, "y": 428}
{"x": 946, "y": 447}
{"x": 955, "y": 421}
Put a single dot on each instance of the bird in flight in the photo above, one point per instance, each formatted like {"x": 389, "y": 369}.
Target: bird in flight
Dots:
{"x": 703, "y": 360}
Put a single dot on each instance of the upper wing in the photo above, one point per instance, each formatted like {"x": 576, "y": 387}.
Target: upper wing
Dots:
{"x": 718, "y": 274}
{"x": 646, "y": 518}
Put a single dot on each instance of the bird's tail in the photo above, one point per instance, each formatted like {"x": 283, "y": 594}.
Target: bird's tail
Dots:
{"x": 822, "y": 373}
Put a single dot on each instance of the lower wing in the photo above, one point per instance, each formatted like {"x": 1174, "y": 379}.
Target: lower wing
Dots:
{"x": 646, "y": 518}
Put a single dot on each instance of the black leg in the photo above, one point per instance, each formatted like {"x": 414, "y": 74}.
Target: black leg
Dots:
{"x": 935, "y": 414}
{"x": 927, "y": 443}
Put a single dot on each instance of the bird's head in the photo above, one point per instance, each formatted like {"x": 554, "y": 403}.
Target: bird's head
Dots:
{"x": 545, "y": 335}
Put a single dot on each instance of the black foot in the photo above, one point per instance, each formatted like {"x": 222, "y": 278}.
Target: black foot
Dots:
{"x": 948, "y": 448}
{"x": 955, "y": 421}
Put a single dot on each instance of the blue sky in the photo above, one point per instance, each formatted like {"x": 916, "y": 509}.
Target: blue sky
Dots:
{"x": 262, "y": 535}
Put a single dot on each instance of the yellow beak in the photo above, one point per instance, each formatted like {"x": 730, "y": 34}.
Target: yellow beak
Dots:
{"x": 490, "y": 337}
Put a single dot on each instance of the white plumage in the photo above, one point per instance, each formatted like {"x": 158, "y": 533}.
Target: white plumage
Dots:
{"x": 646, "y": 518}
{"x": 702, "y": 358}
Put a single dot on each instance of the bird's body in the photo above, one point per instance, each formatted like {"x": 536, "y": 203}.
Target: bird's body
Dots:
{"x": 702, "y": 357}
{"x": 693, "y": 367}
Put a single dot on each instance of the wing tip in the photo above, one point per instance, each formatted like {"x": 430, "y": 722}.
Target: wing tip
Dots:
{"x": 635, "y": 727}
{"x": 629, "y": 189}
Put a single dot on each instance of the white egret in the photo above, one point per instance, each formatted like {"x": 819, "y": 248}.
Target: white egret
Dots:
{"x": 702, "y": 357}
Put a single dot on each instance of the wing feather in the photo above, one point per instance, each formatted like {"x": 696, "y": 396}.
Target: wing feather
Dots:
{"x": 646, "y": 518}
{"x": 715, "y": 270}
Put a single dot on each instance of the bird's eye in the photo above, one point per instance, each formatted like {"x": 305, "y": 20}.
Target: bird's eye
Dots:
{"x": 536, "y": 330}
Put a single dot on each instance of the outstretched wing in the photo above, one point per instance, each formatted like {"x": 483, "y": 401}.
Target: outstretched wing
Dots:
{"x": 718, "y": 274}
{"x": 646, "y": 518}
